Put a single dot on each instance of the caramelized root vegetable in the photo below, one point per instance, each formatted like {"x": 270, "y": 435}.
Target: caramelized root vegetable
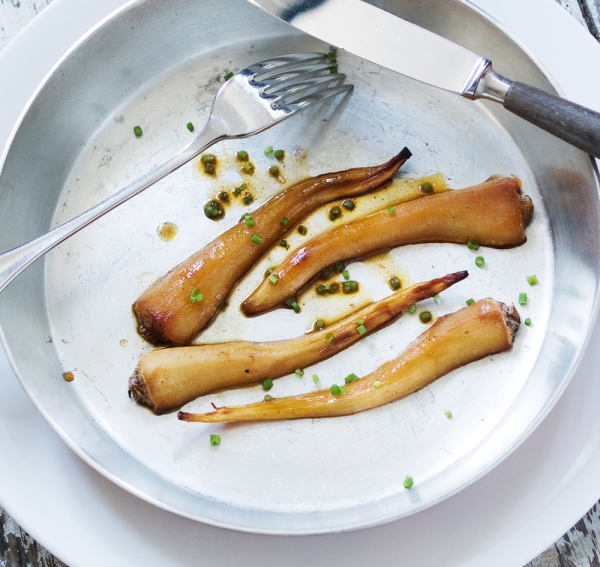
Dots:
{"x": 165, "y": 313}
{"x": 166, "y": 379}
{"x": 494, "y": 213}
{"x": 484, "y": 328}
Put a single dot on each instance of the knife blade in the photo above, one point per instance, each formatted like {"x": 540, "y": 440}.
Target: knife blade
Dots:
{"x": 401, "y": 46}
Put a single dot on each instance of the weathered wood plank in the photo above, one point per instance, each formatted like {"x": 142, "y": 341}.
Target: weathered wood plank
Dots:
{"x": 18, "y": 549}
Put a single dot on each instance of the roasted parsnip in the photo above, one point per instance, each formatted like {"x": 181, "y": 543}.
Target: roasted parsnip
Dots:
{"x": 494, "y": 213}
{"x": 166, "y": 379}
{"x": 165, "y": 313}
{"x": 484, "y": 328}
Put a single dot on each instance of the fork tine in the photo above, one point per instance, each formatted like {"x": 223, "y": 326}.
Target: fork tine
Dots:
{"x": 269, "y": 85}
{"x": 278, "y": 64}
{"x": 303, "y": 102}
{"x": 304, "y": 87}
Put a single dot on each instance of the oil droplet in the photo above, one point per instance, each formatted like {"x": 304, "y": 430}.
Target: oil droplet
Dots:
{"x": 167, "y": 231}
{"x": 68, "y": 376}
{"x": 123, "y": 342}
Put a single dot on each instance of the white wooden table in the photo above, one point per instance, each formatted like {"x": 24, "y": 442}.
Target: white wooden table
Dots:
{"x": 578, "y": 548}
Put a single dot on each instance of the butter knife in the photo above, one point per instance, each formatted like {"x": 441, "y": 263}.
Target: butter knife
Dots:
{"x": 394, "y": 43}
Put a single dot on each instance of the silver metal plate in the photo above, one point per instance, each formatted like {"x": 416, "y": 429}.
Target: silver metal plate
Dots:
{"x": 158, "y": 65}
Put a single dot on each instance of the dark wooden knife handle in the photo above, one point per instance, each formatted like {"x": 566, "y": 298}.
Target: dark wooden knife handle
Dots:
{"x": 568, "y": 121}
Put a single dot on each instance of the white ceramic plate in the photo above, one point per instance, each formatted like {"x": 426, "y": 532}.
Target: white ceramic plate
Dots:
{"x": 447, "y": 523}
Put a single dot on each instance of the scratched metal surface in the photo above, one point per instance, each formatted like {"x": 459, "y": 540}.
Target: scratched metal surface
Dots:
{"x": 576, "y": 548}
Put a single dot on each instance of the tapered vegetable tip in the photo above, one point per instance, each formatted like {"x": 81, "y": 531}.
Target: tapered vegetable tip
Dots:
{"x": 165, "y": 313}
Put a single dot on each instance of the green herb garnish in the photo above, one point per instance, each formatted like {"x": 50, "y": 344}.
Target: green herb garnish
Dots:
{"x": 195, "y": 295}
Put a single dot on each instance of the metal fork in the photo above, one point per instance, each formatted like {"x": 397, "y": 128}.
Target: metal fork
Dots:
{"x": 251, "y": 101}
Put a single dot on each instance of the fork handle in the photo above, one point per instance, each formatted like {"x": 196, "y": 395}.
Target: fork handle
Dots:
{"x": 13, "y": 262}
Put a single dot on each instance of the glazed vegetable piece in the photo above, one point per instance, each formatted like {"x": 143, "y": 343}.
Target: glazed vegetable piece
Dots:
{"x": 166, "y": 379}
{"x": 484, "y": 328}
{"x": 494, "y": 213}
{"x": 164, "y": 312}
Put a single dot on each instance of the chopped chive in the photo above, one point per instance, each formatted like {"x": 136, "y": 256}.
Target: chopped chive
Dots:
{"x": 256, "y": 239}
{"x": 350, "y": 286}
{"x": 522, "y": 298}
{"x": 333, "y": 70}
{"x": 376, "y": 384}
{"x": 350, "y": 378}
{"x": 190, "y": 126}
{"x": 342, "y": 389}
{"x": 302, "y": 229}
{"x": 408, "y": 482}
{"x": 391, "y": 210}
{"x": 248, "y": 199}
{"x": 395, "y": 283}
{"x": 436, "y": 296}
{"x": 473, "y": 245}
{"x": 279, "y": 154}
{"x": 335, "y": 390}
{"x": 346, "y": 274}
{"x": 334, "y": 213}
{"x": 267, "y": 384}
{"x": 248, "y": 168}
{"x": 335, "y": 287}
{"x": 223, "y": 196}
{"x": 470, "y": 301}
{"x": 249, "y": 222}
{"x": 274, "y": 170}
{"x": 223, "y": 305}
{"x": 528, "y": 322}
{"x": 412, "y": 309}
{"x": 338, "y": 266}
{"x": 328, "y": 337}
{"x": 479, "y": 261}
{"x": 242, "y": 155}
{"x": 291, "y": 302}
{"x": 215, "y": 439}
{"x": 213, "y": 209}
{"x": 137, "y": 131}
{"x": 284, "y": 244}
{"x": 283, "y": 221}
{"x": 195, "y": 295}
{"x": 427, "y": 188}
{"x": 348, "y": 204}
{"x": 332, "y": 54}
{"x": 360, "y": 321}
{"x": 320, "y": 324}
{"x": 228, "y": 76}
{"x": 208, "y": 158}
{"x": 239, "y": 189}
{"x": 324, "y": 273}
{"x": 268, "y": 150}
{"x": 273, "y": 279}
{"x": 448, "y": 414}
{"x": 299, "y": 372}
{"x": 361, "y": 330}
{"x": 267, "y": 398}
{"x": 315, "y": 378}
{"x": 532, "y": 280}
{"x": 269, "y": 271}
